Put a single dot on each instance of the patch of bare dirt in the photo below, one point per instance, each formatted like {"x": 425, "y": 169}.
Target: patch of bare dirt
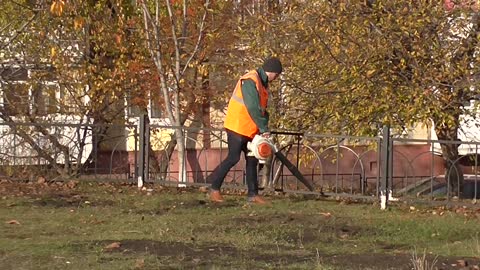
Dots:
{"x": 69, "y": 200}
{"x": 399, "y": 262}
{"x": 311, "y": 225}
{"x": 54, "y": 194}
{"x": 181, "y": 205}
{"x": 192, "y": 255}
{"x": 202, "y": 204}
{"x": 207, "y": 254}
{"x": 19, "y": 189}
{"x": 280, "y": 218}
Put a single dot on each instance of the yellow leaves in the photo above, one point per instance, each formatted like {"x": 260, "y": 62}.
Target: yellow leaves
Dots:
{"x": 203, "y": 70}
{"x": 53, "y": 52}
{"x": 118, "y": 39}
{"x": 57, "y": 7}
{"x": 78, "y": 22}
{"x": 370, "y": 73}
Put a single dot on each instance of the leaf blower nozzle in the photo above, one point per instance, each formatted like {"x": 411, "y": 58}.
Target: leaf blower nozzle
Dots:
{"x": 262, "y": 148}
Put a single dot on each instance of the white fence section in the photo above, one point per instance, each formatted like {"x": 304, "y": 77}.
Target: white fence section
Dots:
{"x": 22, "y": 144}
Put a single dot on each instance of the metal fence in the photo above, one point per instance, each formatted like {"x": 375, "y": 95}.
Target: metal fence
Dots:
{"x": 59, "y": 151}
{"x": 361, "y": 167}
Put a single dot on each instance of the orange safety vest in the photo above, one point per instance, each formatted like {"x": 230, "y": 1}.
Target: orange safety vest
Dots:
{"x": 237, "y": 119}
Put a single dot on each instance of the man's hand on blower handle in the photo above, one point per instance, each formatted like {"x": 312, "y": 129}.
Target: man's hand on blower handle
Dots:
{"x": 266, "y": 134}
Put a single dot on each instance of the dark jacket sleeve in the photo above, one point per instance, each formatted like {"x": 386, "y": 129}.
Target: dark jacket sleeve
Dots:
{"x": 252, "y": 102}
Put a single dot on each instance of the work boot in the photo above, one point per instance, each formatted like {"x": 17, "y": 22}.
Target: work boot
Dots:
{"x": 215, "y": 196}
{"x": 257, "y": 199}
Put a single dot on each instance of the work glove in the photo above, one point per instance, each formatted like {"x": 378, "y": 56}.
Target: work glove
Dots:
{"x": 265, "y": 134}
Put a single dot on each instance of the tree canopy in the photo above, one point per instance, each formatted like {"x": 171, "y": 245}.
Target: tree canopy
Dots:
{"x": 355, "y": 66}
{"x": 351, "y": 67}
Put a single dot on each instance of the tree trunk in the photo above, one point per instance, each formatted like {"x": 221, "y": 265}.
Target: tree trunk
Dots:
{"x": 453, "y": 171}
{"x": 161, "y": 163}
{"x": 181, "y": 151}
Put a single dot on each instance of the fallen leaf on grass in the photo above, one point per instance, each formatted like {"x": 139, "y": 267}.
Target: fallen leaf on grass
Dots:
{"x": 113, "y": 246}
{"x": 13, "y": 222}
{"x": 139, "y": 263}
{"x": 327, "y": 214}
{"x": 41, "y": 180}
{"x": 246, "y": 206}
{"x": 72, "y": 184}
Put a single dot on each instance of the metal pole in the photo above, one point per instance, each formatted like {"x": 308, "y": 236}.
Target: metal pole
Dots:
{"x": 385, "y": 168}
{"x": 476, "y": 174}
{"x": 390, "y": 169}
{"x": 135, "y": 136}
{"x": 146, "y": 149}
{"x": 141, "y": 160}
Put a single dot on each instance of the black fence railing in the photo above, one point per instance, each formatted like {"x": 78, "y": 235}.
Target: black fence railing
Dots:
{"x": 368, "y": 167}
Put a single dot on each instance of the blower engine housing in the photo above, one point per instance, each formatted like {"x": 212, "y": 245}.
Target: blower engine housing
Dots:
{"x": 261, "y": 148}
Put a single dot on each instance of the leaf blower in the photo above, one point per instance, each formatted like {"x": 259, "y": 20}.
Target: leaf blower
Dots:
{"x": 262, "y": 148}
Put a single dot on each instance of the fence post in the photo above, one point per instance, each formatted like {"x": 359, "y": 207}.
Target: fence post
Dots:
{"x": 146, "y": 149}
{"x": 142, "y": 123}
{"x": 385, "y": 159}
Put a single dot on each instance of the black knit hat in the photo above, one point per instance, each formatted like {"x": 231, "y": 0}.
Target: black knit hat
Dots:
{"x": 272, "y": 64}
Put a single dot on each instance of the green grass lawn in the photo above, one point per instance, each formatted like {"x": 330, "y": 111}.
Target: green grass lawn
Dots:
{"x": 107, "y": 226}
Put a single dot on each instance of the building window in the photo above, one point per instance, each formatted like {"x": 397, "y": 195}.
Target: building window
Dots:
{"x": 13, "y": 74}
{"x": 155, "y": 108}
{"x": 14, "y": 90}
{"x": 16, "y": 98}
{"x": 71, "y": 99}
{"x": 44, "y": 99}
{"x": 37, "y": 92}
{"x": 133, "y": 107}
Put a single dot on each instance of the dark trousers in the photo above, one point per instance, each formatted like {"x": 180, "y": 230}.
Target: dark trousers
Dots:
{"x": 236, "y": 144}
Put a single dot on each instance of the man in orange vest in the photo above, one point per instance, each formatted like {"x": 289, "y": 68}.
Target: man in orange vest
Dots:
{"x": 246, "y": 116}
